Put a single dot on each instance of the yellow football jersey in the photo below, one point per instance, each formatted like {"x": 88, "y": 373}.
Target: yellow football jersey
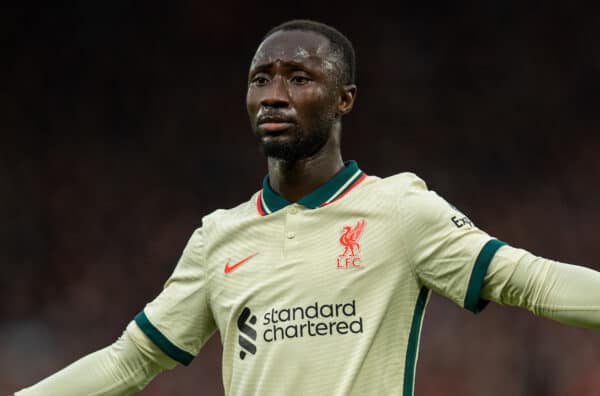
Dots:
{"x": 324, "y": 296}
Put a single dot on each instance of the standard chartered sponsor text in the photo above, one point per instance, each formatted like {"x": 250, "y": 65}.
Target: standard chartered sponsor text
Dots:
{"x": 312, "y": 320}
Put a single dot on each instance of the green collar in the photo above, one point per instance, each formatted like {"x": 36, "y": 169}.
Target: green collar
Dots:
{"x": 340, "y": 184}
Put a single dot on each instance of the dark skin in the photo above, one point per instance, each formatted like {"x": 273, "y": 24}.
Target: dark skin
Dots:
{"x": 295, "y": 104}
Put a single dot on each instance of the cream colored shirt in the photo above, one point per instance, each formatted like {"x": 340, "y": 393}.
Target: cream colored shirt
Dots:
{"x": 324, "y": 296}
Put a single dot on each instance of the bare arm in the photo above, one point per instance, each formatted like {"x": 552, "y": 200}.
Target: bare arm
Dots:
{"x": 563, "y": 292}
{"x": 122, "y": 368}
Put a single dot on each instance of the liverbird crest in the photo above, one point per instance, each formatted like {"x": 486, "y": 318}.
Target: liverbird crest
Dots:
{"x": 349, "y": 238}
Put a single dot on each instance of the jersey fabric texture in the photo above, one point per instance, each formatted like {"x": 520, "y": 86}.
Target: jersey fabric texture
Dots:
{"x": 324, "y": 296}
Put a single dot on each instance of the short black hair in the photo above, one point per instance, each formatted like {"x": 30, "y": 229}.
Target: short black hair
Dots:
{"x": 337, "y": 40}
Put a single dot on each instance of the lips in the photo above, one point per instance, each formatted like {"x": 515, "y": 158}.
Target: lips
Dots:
{"x": 271, "y": 127}
{"x": 273, "y": 124}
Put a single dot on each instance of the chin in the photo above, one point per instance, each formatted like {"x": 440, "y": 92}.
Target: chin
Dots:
{"x": 284, "y": 151}
{"x": 291, "y": 147}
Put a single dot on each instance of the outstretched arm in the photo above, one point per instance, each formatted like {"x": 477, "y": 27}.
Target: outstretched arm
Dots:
{"x": 122, "y": 368}
{"x": 566, "y": 293}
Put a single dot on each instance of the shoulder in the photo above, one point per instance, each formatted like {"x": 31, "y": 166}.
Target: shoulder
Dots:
{"x": 217, "y": 223}
{"x": 413, "y": 199}
{"x": 397, "y": 186}
{"x": 404, "y": 183}
{"x": 395, "y": 195}
{"x": 224, "y": 217}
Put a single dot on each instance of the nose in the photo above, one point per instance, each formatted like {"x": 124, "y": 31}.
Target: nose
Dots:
{"x": 276, "y": 94}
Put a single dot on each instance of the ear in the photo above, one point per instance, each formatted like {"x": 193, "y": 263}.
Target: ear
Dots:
{"x": 346, "y": 99}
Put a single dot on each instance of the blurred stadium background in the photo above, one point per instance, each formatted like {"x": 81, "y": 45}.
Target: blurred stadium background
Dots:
{"x": 123, "y": 123}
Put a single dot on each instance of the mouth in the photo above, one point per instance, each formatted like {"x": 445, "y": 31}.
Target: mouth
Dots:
{"x": 275, "y": 127}
{"x": 271, "y": 125}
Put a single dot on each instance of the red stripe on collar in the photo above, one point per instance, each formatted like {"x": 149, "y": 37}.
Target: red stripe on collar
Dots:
{"x": 356, "y": 183}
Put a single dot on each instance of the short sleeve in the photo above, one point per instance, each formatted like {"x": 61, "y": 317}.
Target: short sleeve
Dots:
{"x": 179, "y": 321}
{"x": 449, "y": 254}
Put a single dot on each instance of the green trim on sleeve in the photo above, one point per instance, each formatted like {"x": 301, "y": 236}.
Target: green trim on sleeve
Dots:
{"x": 472, "y": 301}
{"x": 161, "y": 341}
{"x": 413, "y": 343}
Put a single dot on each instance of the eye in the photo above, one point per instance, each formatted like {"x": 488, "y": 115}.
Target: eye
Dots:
{"x": 259, "y": 80}
{"x": 299, "y": 79}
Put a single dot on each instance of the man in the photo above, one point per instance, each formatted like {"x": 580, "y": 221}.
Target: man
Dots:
{"x": 318, "y": 284}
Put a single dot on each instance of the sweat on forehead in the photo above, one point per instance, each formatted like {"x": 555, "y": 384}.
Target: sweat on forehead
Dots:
{"x": 295, "y": 45}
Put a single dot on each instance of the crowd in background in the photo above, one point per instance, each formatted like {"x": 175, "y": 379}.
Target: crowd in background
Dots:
{"x": 123, "y": 124}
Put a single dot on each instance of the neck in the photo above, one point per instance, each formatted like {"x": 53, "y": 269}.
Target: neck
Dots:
{"x": 294, "y": 180}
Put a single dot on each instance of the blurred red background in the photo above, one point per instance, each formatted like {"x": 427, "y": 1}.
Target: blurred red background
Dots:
{"x": 124, "y": 123}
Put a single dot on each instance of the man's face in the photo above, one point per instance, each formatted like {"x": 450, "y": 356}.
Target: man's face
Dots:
{"x": 292, "y": 94}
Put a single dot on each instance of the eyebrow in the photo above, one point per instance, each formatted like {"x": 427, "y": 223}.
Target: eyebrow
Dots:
{"x": 286, "y": 64}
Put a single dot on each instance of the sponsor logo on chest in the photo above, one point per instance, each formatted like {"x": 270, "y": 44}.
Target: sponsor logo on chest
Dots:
{"x": 282, "y": 324}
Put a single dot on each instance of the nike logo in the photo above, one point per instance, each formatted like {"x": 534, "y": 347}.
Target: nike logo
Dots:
{"x": 229, "y": 268}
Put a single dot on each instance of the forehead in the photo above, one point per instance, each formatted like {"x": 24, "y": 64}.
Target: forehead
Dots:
{"x": 295, "y": 46}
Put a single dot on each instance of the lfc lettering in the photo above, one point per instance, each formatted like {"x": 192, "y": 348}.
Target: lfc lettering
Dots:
{"x": 344, "y": 262}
